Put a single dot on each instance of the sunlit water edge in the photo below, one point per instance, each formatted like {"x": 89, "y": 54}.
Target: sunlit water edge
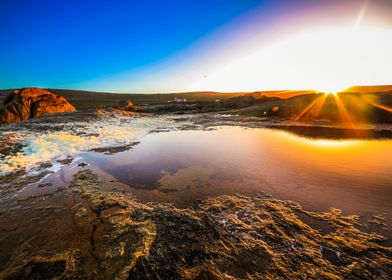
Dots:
{"x": 179, "y": 166}
{"x": 180, "y": 159}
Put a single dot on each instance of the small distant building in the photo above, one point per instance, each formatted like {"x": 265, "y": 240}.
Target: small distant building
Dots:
{"x": 179, "y": 99}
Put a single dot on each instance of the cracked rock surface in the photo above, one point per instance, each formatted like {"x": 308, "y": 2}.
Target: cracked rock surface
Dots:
{"x": 82, "y": 232}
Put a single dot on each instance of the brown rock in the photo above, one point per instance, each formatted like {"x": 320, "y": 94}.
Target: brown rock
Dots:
{"x": 125, "y": 105}
{"x": 31, "y": 103}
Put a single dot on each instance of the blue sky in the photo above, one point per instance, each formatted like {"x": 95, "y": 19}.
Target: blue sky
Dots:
{"x": 57, "y": 43}
{"x": 187, "y": 45}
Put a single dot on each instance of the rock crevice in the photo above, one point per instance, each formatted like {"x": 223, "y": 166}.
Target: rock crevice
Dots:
{"x": 86, "y": 233}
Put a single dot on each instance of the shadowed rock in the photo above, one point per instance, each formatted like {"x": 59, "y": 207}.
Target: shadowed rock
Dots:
{"x": 30, "y": 103}
{"x": 125, "y": 105}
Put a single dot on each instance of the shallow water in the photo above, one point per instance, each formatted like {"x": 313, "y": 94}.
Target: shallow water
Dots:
{"x": 53, "y": 141}
{"x": 181, "y": 166}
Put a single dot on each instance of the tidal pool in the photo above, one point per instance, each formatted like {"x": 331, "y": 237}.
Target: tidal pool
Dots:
{"x": 181, "y": 166}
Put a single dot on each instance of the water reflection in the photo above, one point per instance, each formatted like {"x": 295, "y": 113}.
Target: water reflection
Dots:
{"x": 333, "y": 143}
{"x": 180, "y": 166}
{"x": 336, "y": 133}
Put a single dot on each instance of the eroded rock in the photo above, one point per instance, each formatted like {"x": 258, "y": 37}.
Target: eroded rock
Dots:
{"x": 115, "y": 149}
{"x": 30, "y": 103}
{"x": 83, "y": 232}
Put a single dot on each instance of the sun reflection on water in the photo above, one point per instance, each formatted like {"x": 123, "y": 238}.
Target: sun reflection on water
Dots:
{"x": 329, "y": 143}
{"x": 323, "y": 143}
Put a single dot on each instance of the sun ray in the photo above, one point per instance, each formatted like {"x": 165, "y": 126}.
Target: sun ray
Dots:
{"x": 300, "y": 115}
{"x": 313, "y": 108}
{"x": 316, "y": 108}
{"x": 388, "y": 109}
{"x": 345, "y": 115}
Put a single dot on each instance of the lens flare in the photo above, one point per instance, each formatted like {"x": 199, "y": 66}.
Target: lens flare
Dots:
{"x": 327, "y": 60}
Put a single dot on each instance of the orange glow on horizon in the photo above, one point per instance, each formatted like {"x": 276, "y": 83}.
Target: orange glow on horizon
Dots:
{"x": 351, "y": 110}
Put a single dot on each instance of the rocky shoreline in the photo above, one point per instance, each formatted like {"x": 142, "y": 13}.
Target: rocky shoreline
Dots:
{"x": 82, "y": 232}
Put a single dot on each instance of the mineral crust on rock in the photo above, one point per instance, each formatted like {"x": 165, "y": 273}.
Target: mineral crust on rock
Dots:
{"x": 82, "y": 232}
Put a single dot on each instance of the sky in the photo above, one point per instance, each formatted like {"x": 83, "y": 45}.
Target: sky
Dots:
{"x": 173, "y": 46}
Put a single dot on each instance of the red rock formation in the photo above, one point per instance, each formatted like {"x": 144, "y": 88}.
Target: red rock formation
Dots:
{"x": 30, "y": 103}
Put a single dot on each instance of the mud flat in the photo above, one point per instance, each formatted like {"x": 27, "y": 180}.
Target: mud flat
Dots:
{"x": 82, "y": 232}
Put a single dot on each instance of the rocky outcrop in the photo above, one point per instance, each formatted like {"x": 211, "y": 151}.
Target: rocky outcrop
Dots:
{"x": 82, "y": 232}
{"x": 30, "y": 103}
{"x": 125, "y": 105}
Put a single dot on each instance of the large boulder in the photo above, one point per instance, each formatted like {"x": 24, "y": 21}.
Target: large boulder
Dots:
{"x": 30, "y": 103}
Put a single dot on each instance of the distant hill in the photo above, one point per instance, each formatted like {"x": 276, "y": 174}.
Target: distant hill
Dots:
{"x": 91, "y": 99}
{"x": 363, "y": 103}
{"x": 283, "y": 94}
{"x": 354, "y": 107}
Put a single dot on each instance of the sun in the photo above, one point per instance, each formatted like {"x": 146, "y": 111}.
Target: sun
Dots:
{"x": 329, "y": 92}
{"x": 326, "y": 60}
{"x": 331, "y": 89}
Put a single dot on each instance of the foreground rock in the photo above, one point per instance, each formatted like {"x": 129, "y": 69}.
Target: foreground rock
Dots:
{"x": 30, "y": 103}
{"x": 83, "y": 232}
